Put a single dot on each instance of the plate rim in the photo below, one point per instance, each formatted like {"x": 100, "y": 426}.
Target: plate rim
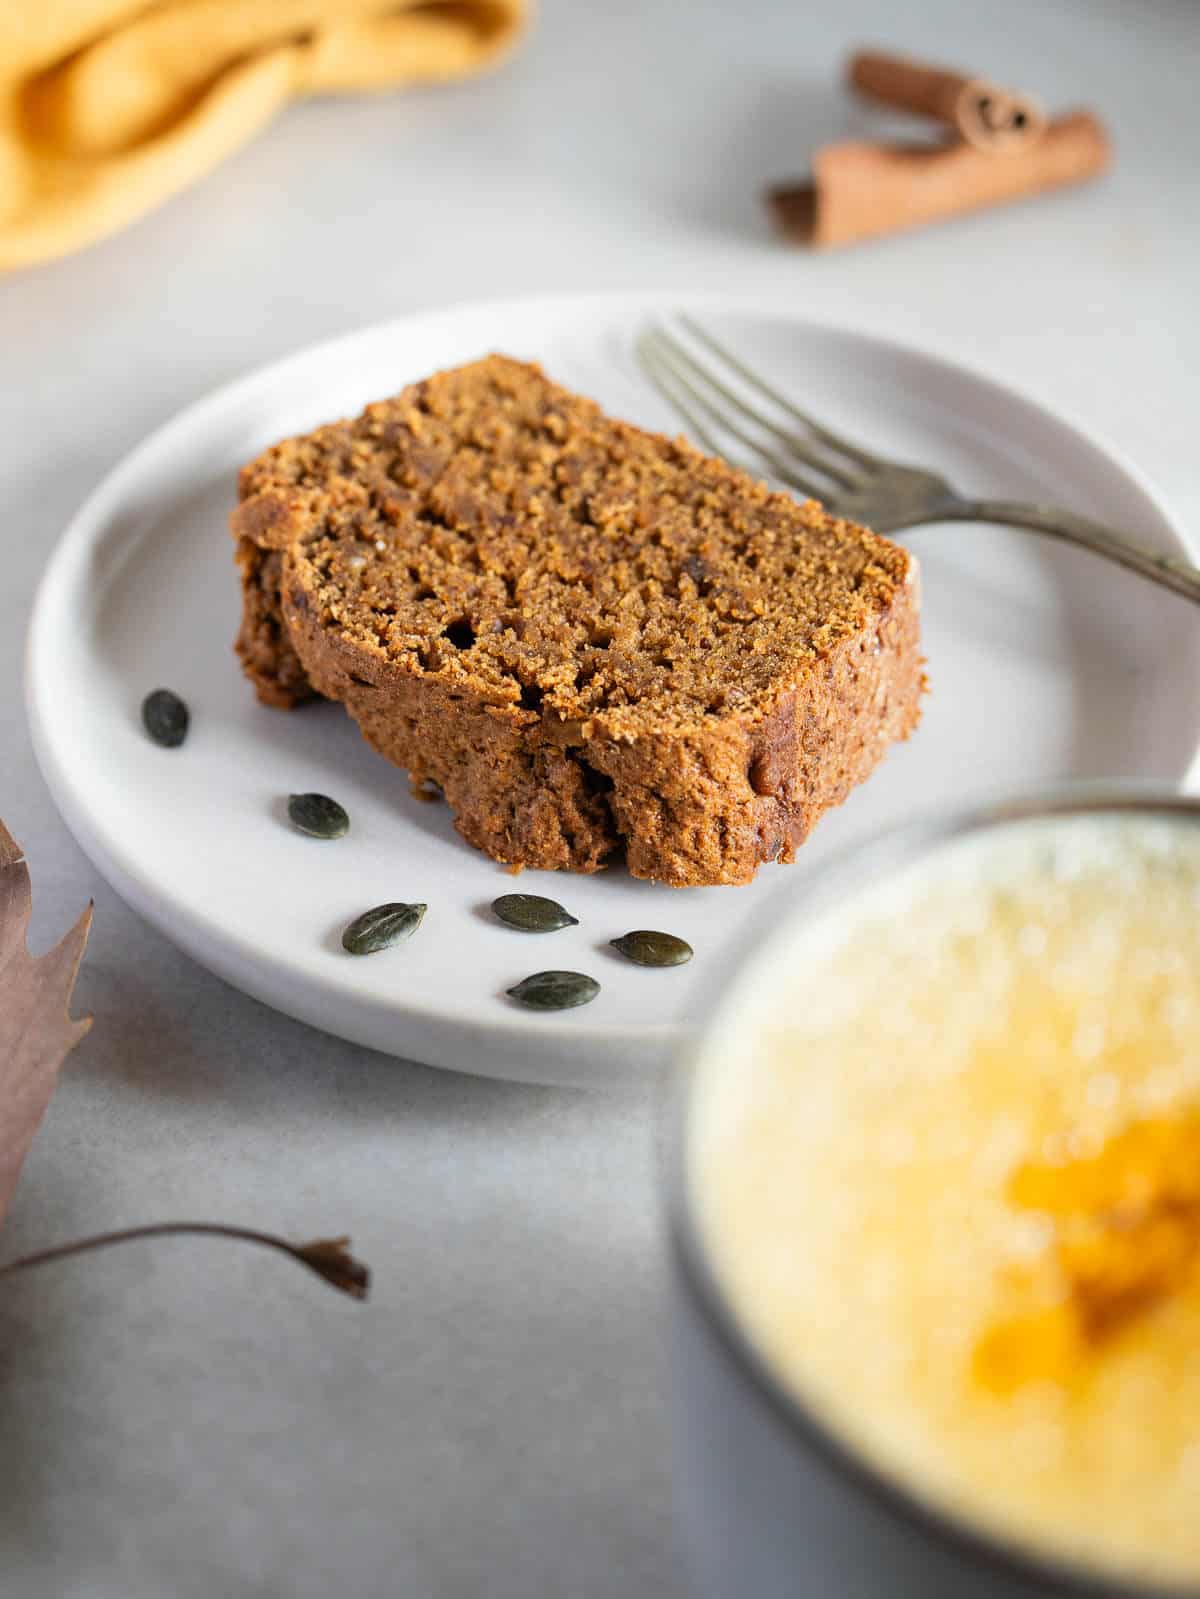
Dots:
{"x": 187, "y": 926}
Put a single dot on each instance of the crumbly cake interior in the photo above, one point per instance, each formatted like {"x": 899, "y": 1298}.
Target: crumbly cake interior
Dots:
{"x": 489, "y": 528}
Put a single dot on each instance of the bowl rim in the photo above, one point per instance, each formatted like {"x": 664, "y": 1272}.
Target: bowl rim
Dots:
{"x": 1042, "y": 1574}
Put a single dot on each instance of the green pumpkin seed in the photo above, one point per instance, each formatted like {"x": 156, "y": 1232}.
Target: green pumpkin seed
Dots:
{"x": 317, "y": 815}
{"x": 555, "y": 990}
{"x": 381, "y": 927}
{"x": 532, "y": 914}
{"x": 653, "y": 949}
{"x": 165, "y": 718}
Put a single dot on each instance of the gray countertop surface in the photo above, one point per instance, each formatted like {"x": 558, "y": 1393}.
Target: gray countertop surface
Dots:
{"x": 190, "y": 1419}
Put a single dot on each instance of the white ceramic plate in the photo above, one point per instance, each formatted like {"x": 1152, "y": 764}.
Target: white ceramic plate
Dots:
{"x": 1046, "y": 664}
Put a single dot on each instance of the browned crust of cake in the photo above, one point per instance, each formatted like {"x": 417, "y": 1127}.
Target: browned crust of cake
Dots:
{"x": 595, "y": 640}
{"x": 268, "y": 656}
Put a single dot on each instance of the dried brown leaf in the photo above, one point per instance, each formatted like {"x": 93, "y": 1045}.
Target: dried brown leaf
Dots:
{"x": 36, "y": 1029}
{"x": 37, "y": 1034}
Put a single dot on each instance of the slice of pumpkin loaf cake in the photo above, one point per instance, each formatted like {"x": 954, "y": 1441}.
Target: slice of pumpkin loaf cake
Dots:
{"x": 595, "y": 640}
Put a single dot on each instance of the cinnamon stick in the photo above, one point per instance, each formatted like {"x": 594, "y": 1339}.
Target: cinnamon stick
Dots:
{"x": 861, "y": 191}
{"x": 986, "y": 116}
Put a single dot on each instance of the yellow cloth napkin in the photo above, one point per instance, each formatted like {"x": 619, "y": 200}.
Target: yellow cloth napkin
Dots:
{"x": 109, "y": 106}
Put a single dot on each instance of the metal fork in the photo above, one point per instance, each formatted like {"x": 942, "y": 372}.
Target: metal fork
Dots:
{"x": 849, "y": 480}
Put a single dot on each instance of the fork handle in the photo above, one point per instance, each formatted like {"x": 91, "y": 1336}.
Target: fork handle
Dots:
{"x": 1166, "y": 570}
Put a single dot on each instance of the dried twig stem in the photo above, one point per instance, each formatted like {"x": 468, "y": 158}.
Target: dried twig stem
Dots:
{"x": 328, "y": 1257}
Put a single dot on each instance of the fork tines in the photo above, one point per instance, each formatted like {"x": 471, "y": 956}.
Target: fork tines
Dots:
{"x": 712, "y": 393}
